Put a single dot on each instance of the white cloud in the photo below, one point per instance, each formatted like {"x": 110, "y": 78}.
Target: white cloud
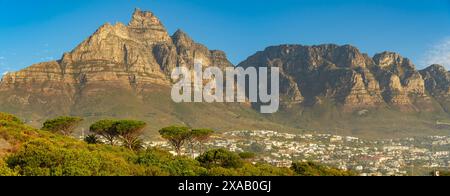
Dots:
{"x": 439, "y": 53}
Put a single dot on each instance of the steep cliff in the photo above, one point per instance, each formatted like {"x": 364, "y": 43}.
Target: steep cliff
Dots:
{"x": 346, "y": 77}
{"x": 338, "y": 73}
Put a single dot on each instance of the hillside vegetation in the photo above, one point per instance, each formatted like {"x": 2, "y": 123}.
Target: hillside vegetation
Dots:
{"x": 26, "y": 151}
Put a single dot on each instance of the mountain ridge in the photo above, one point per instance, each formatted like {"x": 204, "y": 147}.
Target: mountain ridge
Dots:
{"x": 387, "y": 78}
{"x": 124, "y": 71}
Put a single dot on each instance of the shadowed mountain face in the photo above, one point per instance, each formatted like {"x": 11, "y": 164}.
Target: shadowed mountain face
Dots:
{"x": 350, "y": 79}
{"x": 123, "y": 71}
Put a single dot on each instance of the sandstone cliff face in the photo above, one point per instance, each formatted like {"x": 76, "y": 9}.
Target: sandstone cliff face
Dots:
{"x": 183, "y": 51}
{"x": 437, "y": 80}
{"x": 130, "y": 59}
{"x": 41, "y": 88}
{"x": 437, "y": 84}
{"x": 349, "y": 78}
{"x": 339, "y": 73}
{"x": 402, "y": 85}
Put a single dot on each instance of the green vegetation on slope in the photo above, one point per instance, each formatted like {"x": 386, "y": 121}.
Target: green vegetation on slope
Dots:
{"x": 26, "y": 151}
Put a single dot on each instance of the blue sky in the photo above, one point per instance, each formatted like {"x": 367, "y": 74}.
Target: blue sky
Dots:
{"x": 41, "y": 30}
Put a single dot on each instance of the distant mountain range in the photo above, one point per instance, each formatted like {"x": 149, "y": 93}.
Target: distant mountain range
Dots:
{"x": 123, "y": 71}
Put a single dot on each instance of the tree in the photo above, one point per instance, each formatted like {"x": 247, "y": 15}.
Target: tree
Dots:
{"x": 92, "y": 139}
{"x": 129, "y": 131}
{"x": 64, "y": 125}
{"x": 257, "y": 147}
{"x": 220, "y": 158}
{"x": 201, "y": 136}
{"x": 106, "y": 129}
{"x": 247, "y": 155}
{"x": 137, "y": 145}
{"x": 177, "y": 136}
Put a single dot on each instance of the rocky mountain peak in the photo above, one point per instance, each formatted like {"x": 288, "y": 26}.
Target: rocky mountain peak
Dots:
{"x": 437, "y": 80}
{"x": 435, "y": 68}
{"x": 180, "y": 38}
{"x": 389, "y": 59}
{"x": 118, "y": 43}
{"x": 144, "y": 19}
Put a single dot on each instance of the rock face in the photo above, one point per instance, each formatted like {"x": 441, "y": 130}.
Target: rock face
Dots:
{"x": 401, "y": 83}
{"x": 343, "y": 75}
{"x": 131, "y": 59}
{"x": 437, "y": 80}
{"x": 437, "y": 83}
{"x": 314, "y": 73}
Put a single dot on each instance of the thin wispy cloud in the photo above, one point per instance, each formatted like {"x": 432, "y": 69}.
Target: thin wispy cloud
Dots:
{"x": 2, "y": 58}
{"x": 439, "y": 53}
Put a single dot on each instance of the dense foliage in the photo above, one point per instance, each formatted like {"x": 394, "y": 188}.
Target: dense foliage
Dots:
{"x": 126, "y": 131}
{"x": 63, "y": 125}
{"x": 92, "y": 139}
{"x": 220, "y": 158}
{"x": 8, "y": 118}
{"x": 314, "y": 169}
{"x": 32, "y": 152}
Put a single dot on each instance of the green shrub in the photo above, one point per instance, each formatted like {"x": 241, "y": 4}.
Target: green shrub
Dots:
{"x": 220, "y": 158}
{"x": 9, "y": 118}
{"x": 247, "y": 155}
{"x": 6, "y": 171}
{"x": 264, "y": 170}
{"x": 220, "y": 171}
{"x": 44, "y": 158}
{"x": 314, "y": 169}
{"x": 92, "y": 139}
{"x": 169, "y": 164}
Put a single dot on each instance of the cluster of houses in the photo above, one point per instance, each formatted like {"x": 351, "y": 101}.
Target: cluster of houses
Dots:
{"x": 368, "y": 157}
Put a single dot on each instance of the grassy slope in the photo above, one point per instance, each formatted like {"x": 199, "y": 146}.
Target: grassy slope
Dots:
{"x": 155, "y": 106}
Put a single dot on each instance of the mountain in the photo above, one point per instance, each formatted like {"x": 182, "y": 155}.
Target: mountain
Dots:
{"x": 123, "y": 71}
{"x": 338, "y": 88}
{"x": 342, "y": 74}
